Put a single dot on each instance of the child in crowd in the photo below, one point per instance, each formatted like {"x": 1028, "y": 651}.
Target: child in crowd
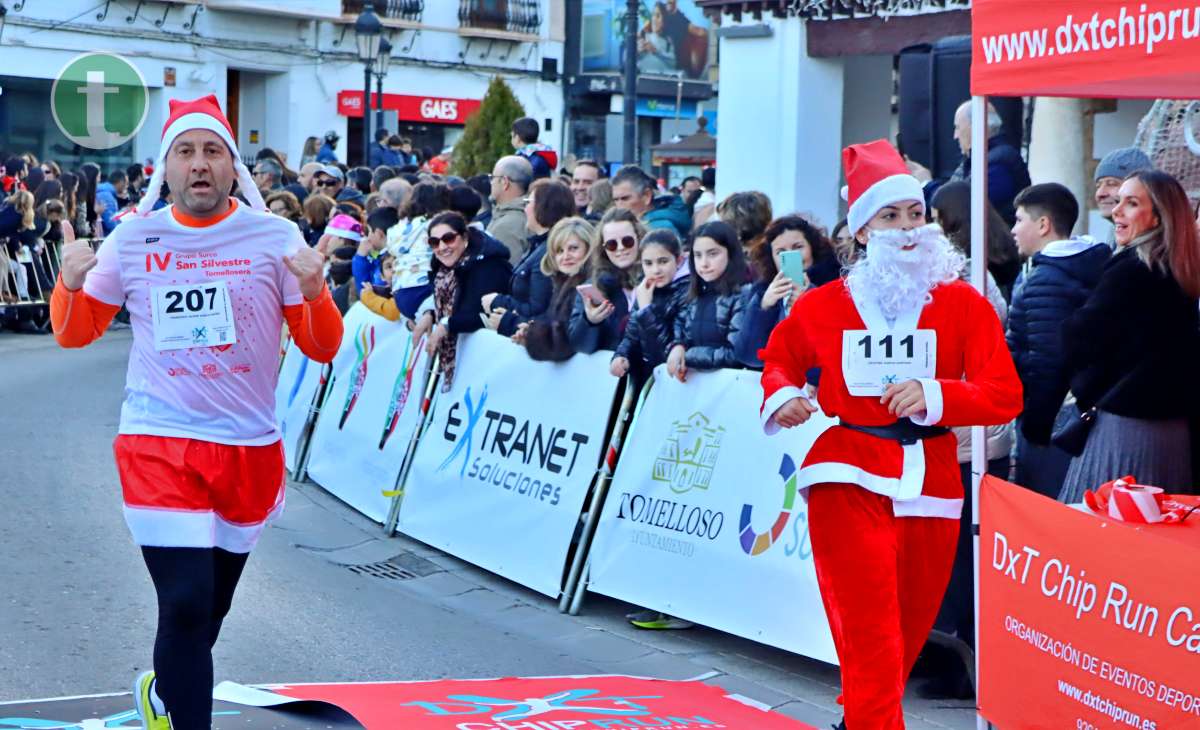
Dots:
{"x": 567, "y": 264}
{"x": 659, "y": 299}
{"x": 1063, "y": 274}
{"x": 599, "y": 324}
{"x": 368, "y": 262}
{"x": 707, "y": 329}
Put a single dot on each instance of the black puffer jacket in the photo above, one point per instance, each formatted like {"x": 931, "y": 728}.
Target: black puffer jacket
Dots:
{"x": 1051, "y": 291}
{"x": 530, "y": 290}
{"x": 586, "y": 337}
{"x": 1133, "y": 348}
{"x": 650, "y": 331}
{"x": 483, "y": 269}
{"x": 708, "y": 328}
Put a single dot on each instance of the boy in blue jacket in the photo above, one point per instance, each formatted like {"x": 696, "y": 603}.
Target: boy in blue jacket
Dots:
{"x": 1062, "y": 273}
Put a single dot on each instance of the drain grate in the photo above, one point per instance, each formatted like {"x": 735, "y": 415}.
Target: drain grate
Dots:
{"x": 385, "y": 570}
{"x": 404, "y": 566}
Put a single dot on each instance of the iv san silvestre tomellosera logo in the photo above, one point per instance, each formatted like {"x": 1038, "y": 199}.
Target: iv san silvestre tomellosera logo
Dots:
{"x": 685, "y": 463}
{"x": 521, "y": 455}
{"x": 99, "y": 100}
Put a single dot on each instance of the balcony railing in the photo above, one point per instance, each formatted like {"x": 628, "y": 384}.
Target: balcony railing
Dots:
{"x": 394, "y": 9}
{"x": 510, "y": 16}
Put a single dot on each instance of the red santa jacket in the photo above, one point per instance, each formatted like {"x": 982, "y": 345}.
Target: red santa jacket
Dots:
{"x": 976, "y": 384}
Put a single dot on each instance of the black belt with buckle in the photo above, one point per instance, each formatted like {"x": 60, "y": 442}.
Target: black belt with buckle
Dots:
{"x": 904, "y": 431}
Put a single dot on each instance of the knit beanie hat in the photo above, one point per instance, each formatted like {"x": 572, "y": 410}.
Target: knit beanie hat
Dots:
{"x": 1122, "y": 163}
{"x": 877, "y": 177}
{"x": 346, "y": 227}
{"x": 203, "y": 113}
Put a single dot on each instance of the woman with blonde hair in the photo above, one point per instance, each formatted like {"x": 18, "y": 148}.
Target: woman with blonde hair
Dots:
{"x": 567, "y": 264}
{"x": 20, "y": 246}
{"x": 598, "y": 319}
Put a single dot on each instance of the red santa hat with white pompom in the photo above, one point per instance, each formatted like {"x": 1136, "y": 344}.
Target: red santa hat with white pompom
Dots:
{"x": 877, "y": 177}
{"x": 202, "y": 113}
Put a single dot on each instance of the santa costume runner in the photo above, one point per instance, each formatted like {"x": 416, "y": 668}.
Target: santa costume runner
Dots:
{"x": 208, "y": 284}
{"x": 906, "y": 350}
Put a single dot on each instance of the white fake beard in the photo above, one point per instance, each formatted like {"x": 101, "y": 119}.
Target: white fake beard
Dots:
{"x": 901, "y": 281}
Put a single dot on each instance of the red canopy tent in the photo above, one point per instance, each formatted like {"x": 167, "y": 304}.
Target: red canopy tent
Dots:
{"x": 1133, "y": 49}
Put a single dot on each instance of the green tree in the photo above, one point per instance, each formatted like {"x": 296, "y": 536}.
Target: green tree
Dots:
{"x": 488, "y": 134}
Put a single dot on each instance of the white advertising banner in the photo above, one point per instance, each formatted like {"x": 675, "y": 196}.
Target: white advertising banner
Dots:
{"x": 299, "y": 381}
{"x": 372, "y": 407}
{"x": 501, "y": 474}
{"x": 703, "y": 520}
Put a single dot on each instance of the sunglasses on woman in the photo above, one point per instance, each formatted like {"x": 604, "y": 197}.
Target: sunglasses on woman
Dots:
{"x": 625, "y": 242}
{"x": 445, "y": 239}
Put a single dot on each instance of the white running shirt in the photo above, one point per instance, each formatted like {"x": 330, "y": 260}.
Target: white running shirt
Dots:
{"x": 223, "y": 394}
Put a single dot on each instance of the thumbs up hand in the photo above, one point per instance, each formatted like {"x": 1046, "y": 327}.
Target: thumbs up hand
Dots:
{"x": 308, "y": 267}
{"x": 78, "y": 258}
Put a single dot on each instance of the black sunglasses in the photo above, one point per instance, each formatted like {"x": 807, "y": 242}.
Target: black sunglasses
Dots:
{"x": 625, "y": 242}
{"x": 445, "y": 239}
{"x": 326, "y": 183}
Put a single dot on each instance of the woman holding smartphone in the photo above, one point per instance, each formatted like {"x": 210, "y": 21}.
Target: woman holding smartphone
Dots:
{"x": 790, "y": 257}
{"x": 602, "y": 308}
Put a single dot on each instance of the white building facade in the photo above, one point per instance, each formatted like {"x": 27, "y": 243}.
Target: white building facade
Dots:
{"x": 283, "y": 70}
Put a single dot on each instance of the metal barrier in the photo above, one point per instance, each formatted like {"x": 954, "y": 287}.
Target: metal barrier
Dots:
{"x": 431, "y": 383}
{"x": 631, "y": 400}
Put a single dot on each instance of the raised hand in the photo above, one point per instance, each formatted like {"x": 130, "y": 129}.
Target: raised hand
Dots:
{"x": 308, "y": 267}
{"x": 78, "y": 258}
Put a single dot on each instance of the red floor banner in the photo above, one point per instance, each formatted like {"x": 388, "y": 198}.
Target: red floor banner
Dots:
{"x": 1085, "y": 622}
{"x": 552, "y": 703}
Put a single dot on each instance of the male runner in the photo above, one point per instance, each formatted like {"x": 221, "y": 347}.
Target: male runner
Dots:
{"x": 208, "y": 283}
{"x": 906, "y": 350}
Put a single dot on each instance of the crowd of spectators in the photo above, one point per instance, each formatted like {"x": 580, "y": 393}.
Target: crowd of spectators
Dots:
{"x": 567, "y": 260}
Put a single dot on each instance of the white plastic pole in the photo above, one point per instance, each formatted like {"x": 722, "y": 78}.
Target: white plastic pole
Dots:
{"x": 979, "y": 218}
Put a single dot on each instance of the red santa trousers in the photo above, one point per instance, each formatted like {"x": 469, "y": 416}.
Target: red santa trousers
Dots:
{"x": 882, "y": 579}
{"x": 183, "y": 492}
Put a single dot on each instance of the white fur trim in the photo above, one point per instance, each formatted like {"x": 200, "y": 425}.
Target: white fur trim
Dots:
{"x": 774, "y": 403}
{"x": 934, "y": 405}
{"x": 887, "y": 191}
{"x": 912, "y": 474}
{"x": 923, "y": 506}
{"x": 188, "y": 122}
{"x": 918, "y": 506}
{"x": 832, "y": 472}
{"x": 193, "y": 529}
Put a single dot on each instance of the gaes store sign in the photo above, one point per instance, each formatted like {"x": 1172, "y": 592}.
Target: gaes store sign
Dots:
{"x": 437, "y": 110}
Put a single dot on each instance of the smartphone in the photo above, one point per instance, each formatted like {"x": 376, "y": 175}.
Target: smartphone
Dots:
{"x": 793, "y": 266}
{"x": 591, "y": 293}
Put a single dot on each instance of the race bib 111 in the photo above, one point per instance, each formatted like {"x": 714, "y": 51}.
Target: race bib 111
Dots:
{"x": 192, "y": 315}
{"x": 873, "y": 360}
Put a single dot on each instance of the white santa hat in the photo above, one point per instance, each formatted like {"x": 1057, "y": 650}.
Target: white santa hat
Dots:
{"x": 203, "y": 113}
{"x": 877, "y": 177}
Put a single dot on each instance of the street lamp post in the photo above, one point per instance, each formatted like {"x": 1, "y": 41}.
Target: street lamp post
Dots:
{"x": 631, "y": 30}
{"x": 368, "y": 32}
{"x": 381, "y": 69}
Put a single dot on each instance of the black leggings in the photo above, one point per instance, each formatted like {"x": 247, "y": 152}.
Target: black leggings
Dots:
{"x": 195, "y": 588}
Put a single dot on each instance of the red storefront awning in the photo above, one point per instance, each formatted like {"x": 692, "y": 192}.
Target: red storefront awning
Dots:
{"x": 1099, "y": 48}
{"x": 430, "y": 109}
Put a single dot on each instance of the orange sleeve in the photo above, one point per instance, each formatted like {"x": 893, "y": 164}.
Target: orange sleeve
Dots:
{"x": 383, "y": 306}
{"x": 78, "y": 318}
{"x": 316, "y": 326}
